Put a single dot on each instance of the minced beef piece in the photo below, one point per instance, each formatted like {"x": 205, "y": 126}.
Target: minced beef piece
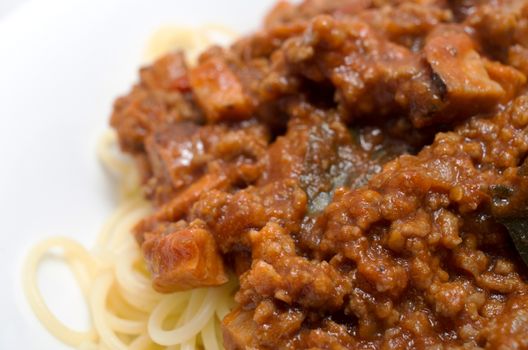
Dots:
{"x": 352, "y": 162}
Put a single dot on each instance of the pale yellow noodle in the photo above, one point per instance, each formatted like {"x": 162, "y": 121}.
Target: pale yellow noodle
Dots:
{"x": 126, "y": 312}
{"x": 141, "y": 342}
{"x": 126, "y": 326}
{"x": 122, "y": 309}
{"x": 106, "y": 154}
{"x": 98, "y": 308}
{"x": 185, "y": 330}
{"x": 109, "y": 228}
{"x": 54, "y": 325}
{"x": 189, "y": 344}
{"x": 209, "y": 336}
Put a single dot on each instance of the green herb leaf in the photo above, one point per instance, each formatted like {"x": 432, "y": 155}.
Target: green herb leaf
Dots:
{"x": 518, "y": 230}
{"x": 509, "y": 207}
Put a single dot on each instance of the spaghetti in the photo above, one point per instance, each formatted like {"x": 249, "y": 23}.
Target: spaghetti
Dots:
{"x": 126, "y": 312}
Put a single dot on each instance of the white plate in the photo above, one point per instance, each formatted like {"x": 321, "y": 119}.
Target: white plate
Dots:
{"x": 62, "y": 63}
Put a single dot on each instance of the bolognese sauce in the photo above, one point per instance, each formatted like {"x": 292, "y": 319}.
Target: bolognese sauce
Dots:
{"x": 355, "y": 164}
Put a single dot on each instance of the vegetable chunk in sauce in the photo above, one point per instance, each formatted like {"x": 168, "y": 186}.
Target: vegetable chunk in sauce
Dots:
{"x": 359, "y": 166}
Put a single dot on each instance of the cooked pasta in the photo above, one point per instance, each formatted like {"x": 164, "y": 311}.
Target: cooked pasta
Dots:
{"x": 126, "y": 312}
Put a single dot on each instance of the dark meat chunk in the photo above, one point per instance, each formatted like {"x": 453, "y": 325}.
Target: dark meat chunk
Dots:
{"x": 219, "y": 91}
{"x": 181, "y": 154}
{"x": 172, "y": 154}
{"x": 472, "y": 84}
{"x": 178, "y": 206}
{"x": 159, "y": 100}
{"x": 167, "y": 73}
{"x": 181, "y": 258}
{"x": 452, "y": 55}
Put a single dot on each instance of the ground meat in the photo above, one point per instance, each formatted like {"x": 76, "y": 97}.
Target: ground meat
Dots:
{"x": 354, "y": 163}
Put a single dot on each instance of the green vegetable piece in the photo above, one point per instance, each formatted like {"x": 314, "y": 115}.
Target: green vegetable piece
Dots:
{"x": 518, "y": 230}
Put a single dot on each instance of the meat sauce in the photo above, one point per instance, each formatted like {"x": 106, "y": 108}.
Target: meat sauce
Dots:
{"x": 343, "y": 162}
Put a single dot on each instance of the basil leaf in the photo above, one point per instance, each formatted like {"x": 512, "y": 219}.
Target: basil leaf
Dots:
{"x": 518, "y": 230}
{"x": 507, "y": 209}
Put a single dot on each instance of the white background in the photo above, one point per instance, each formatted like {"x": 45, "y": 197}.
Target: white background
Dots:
{"x": 62, "y": 63}
{"x": 6, "y": 6}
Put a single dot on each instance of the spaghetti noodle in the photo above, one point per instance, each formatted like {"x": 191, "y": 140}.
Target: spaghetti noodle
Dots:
{"x": 126, "y": 312}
